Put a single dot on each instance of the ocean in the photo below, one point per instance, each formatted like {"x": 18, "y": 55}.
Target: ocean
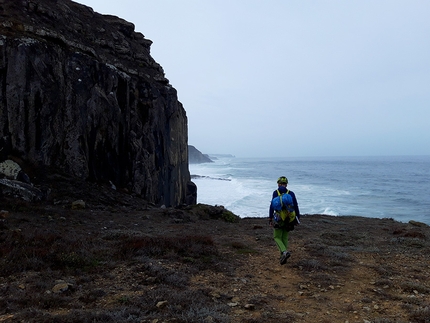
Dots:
{"x": 377, "y": 187}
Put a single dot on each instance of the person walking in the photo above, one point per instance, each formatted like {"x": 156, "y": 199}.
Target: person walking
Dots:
{"x": 284, "y": 214}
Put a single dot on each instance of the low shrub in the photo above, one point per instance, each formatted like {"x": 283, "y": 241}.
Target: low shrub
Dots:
{"x": 185, "y": 248}
{"x": 411, "y": 287}
{"x": 242, "y": 248}
{"x": 205, "y": 211}
{"x": 39, "y": 249}
{"x": 421, "y": 315}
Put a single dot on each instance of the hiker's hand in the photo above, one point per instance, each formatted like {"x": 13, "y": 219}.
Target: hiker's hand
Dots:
{"x": 271, "y": 222}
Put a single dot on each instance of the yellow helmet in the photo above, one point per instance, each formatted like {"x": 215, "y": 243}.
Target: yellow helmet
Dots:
{"x": 282, "y": 180}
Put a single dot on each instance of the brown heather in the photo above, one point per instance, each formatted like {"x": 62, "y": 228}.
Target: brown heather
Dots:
{"x": 121, "y": 260}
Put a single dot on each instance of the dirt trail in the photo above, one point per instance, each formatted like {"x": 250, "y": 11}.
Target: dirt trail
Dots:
{"x": 361, "y": 284}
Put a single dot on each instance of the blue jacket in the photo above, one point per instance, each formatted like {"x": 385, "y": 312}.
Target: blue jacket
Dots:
{"x": 283, "y": 189}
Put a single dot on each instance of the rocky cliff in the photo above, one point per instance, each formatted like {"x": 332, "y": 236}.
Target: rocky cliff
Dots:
{"x": 196, "y": 157}
{"x": 80, "y": 93}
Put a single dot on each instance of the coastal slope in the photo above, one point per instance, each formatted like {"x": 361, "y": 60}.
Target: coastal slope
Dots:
{"x": 113, "y": 257}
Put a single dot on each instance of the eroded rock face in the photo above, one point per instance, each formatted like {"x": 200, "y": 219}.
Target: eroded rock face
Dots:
{"x": 79, "y": 92}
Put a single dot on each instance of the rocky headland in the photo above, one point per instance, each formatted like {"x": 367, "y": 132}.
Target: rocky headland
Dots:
{"x": 195, "y": 156}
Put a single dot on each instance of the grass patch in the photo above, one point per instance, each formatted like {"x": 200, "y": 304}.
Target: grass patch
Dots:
{"x": 197, "y": 249}
{"x": 242, "y": 249}
{"x": 205, "y": 211}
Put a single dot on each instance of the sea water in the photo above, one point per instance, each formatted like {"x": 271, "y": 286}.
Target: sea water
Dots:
{"x": 378, "y": 187}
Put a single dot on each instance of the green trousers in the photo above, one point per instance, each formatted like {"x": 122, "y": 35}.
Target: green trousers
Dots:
{"x": 281, "y": 239}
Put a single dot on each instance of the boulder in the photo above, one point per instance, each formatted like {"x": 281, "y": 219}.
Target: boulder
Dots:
{"x": 21, "y": 190}
{"x": 11, "y": 170}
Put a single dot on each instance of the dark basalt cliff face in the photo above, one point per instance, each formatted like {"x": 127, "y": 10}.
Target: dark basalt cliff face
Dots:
{"x": 80, "y": 93}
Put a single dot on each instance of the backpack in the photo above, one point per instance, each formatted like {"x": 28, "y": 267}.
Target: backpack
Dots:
{"x": 284, "y": 208}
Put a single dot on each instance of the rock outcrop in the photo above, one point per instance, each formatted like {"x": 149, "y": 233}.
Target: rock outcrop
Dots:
{"x": 80, "y": 93}
{"x": 196, "y": 157}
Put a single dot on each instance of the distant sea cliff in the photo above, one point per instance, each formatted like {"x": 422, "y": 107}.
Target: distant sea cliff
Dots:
{"x": 196, "y": 157}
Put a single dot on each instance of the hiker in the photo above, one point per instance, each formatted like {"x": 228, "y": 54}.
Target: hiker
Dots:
{"x": 283, "y": 216}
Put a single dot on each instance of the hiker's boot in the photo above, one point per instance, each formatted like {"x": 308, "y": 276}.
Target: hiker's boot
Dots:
{"x": 285, "y": 255}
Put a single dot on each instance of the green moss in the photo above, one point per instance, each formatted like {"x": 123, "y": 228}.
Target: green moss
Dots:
{"x": 229, "y": 216}
{"x": 205, "y": 211}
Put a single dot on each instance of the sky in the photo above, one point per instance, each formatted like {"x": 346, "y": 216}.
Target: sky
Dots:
{"x": 302, "y": 78}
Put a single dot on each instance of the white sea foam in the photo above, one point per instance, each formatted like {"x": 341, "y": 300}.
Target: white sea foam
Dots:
{"x": 348, "y": 186}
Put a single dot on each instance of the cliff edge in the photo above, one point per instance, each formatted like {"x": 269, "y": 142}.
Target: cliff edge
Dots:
{"x": 80, "y": 94}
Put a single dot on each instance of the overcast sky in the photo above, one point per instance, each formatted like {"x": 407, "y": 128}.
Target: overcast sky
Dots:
{"x": 278, "y": 78}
